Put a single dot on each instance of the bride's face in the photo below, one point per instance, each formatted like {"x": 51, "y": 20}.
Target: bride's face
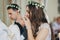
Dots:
{"x": 28, "y": 13}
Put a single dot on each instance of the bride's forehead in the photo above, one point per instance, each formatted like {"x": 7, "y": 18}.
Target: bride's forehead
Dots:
{"x": 27, "y": 8}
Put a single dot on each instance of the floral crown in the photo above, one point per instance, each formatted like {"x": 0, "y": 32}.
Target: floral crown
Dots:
{"x": 14, "y": 6}
{"x": 36, "y": 4}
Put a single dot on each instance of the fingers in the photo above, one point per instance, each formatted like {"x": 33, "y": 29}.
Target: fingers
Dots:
{"x": 26, "y": 18}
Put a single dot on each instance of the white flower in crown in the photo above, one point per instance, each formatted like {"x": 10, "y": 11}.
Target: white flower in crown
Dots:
{"x": 13, "y": 6}
{"x": 42, "y": 5}
{"x": 37, "y": 7}
{"x": 16, "y": 7}
{"x": 36, "y": 4}
{"x": 33, "y": 4}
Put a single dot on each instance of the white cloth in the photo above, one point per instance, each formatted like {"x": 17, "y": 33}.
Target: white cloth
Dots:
{"x": 3, "y": 31}
{"x": 45, "y": 25}
{"x": 15, "y": 32}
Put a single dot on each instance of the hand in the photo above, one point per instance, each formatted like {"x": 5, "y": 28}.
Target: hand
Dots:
{"x": 27, "y": 22}
{"x": 22, "y": 22}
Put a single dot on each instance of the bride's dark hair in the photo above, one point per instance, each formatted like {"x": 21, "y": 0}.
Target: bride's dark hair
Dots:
{"x": 37, "y": 17}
